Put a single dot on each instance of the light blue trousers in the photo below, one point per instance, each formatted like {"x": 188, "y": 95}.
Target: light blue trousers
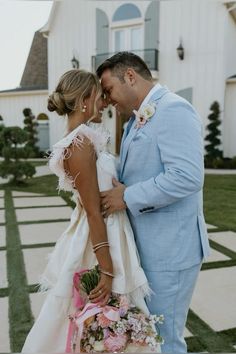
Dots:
{"x": 173, "y": 293}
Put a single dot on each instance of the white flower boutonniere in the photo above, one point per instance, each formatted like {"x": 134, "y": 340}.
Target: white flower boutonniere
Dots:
{"x": 144, "y": 114}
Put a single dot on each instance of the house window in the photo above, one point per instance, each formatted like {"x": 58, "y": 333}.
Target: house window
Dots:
{"x": 42, "y": 116}
{"x": 126, "y": 12}
{"x": 127, "y": 28}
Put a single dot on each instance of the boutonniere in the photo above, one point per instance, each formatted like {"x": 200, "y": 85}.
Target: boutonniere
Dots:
{"x": 143, "y": 115}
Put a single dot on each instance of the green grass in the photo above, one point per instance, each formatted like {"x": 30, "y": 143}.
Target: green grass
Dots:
{"x": 20, "y": 315}
{"x": 39, "y": 163}
{"x": 44, "y": 185}
{"x": 219, "y": 208}
{"x": 220, "y": 201}
{"x": 209, "y": 340}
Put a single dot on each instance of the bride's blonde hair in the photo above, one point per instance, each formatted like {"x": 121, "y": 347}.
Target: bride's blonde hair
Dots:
{"x": 73, "y": 87}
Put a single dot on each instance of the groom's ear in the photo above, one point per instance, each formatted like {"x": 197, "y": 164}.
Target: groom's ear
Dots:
{"x": 130, "y": 76}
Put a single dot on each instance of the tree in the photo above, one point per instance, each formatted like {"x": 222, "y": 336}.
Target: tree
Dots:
{"x": 213, "y": 152}
{"x": 1, "y": 128}
{"x": 31, "y": 129}
{"x": 13, "y": 152}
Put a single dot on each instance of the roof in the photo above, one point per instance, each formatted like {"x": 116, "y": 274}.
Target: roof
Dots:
{"x": 35, "y": 75}
{"x": 19, "y": 89}
{"x": 36, "y": 69}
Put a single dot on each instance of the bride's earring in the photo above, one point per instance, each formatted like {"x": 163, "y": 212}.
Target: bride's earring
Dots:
{"x": 84, "y": 108}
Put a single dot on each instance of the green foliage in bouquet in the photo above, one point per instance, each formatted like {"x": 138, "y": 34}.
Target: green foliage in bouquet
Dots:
{"x": 89, "y": 280}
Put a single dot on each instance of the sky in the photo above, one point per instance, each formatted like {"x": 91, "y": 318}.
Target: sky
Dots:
{"x": 19, "y": 19}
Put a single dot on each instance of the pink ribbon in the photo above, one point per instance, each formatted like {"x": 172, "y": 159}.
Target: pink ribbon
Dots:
{"x": 76, "y": 324}
{"x": 77, "y": 298}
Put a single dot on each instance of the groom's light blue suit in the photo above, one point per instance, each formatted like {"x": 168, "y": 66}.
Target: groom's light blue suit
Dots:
{"x": 162, "y": 166}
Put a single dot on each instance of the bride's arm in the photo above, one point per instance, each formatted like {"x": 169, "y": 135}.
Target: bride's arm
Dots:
{"x": 81, "y": 166}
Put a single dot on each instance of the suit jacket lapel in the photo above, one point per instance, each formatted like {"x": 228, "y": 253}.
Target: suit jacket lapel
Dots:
{"x": 126, "y": 140}
{"x": 129, "y": 136}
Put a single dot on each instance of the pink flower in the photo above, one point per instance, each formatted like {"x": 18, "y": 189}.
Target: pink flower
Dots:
{"x": 103, "y": 321}
{"x": 115, "y": 343}
{"x": 106, "y": 333}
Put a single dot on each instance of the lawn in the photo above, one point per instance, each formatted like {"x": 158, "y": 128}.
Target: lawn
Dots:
{"x": 220, "y": 201}
{"x": 219, "y": 197}
{"x": 220, "y": 210}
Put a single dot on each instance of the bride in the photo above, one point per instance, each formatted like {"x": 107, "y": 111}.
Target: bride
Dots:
{"x": 84, "y": 167}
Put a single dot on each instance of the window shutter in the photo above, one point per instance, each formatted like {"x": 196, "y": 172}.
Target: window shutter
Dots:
{"x": 102, "y": 32}
{"x": 151, "y": 32}
{"x": 186, "y": 93}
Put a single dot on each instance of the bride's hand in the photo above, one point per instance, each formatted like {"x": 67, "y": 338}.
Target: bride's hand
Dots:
{"x": 102, "y": 292}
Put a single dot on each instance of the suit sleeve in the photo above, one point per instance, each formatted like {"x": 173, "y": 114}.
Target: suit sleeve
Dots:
{"x": 179, "y": 139}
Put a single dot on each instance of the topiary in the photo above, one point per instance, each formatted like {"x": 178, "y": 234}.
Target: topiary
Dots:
{"x": 13, "y": 151}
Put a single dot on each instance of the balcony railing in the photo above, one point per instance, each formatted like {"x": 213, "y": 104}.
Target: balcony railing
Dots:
{"x": 150, "y": 56}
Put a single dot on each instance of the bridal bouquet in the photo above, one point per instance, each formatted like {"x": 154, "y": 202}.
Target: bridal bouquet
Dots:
{"x": 117, "y": 327}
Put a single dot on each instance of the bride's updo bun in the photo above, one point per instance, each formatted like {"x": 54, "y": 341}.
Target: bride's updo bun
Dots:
{"x": 57, "y": 103}
{"x": 73, "y": 87}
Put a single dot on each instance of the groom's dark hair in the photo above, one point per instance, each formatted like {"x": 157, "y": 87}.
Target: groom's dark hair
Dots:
{"x": 121, "y": 61}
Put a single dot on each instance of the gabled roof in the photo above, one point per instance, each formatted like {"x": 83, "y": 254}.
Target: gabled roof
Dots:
{"x": 35, "y": 75}
{"x": 24, "y": 89}
{"x": 36, "y": 68}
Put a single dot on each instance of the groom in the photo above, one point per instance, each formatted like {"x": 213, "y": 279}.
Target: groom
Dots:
{"x": 161, "y": 175}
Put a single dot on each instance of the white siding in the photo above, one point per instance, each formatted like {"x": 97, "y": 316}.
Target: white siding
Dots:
{"x": 230, "y": 120}
{"x": 73, "y": 31}
{"x": 200, "y": 24}
{"x": 12, "y": 105}
{"x": 230, "y": 46}
{"x": 205, "y": 26}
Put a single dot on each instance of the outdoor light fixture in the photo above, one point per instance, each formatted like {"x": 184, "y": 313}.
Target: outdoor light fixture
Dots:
{"x": 75, "y": 63}
{"x": 180, "y": 50}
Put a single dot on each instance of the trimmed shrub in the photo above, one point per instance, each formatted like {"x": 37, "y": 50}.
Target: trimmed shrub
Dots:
{"x": 13, "y": 151}
{"x": 31, "y": 129}
{"x": 212, "y": 148}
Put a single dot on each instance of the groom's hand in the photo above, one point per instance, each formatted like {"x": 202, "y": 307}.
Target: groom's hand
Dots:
{"x": 112, "y": 200}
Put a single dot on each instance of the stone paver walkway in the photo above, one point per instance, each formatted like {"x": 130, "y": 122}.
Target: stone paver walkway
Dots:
{"x": 40, "y": 221}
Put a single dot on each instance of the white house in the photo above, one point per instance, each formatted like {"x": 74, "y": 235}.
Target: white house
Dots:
{"x": 32, "y": 92}
{"x": 90, "y": 31}
{"x": 203, "y": 71}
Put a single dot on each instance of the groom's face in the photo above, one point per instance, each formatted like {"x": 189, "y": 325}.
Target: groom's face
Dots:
{"x": 119, "y": 93}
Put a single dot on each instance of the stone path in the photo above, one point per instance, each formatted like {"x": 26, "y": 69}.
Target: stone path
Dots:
{"x": 40, "y": 220}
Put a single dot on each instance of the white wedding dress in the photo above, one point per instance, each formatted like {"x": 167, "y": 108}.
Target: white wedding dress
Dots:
{"x": 74, "y": 252}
